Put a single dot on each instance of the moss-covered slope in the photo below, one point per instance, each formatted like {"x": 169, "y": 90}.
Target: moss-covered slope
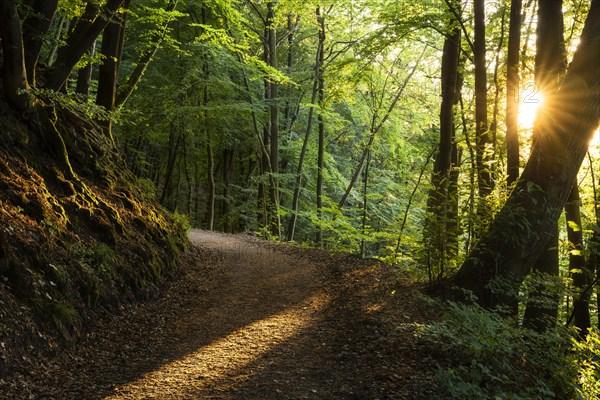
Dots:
{"x": 74, "y": 241}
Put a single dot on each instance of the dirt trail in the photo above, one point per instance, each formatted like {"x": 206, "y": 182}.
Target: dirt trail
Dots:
{"x": 252, "y": 320}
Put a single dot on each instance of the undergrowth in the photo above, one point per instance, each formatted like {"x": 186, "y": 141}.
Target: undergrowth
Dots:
{"x": 484, "y": 356}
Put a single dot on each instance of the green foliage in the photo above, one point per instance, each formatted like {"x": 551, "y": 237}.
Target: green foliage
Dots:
{"x": 487, "y": 357}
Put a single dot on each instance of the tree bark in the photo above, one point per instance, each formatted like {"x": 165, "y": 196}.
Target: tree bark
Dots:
{"x": 512, "y": 92}
{"x": 274, "y": 123}
{"x": 228, "y": 158}
{"x": 34, "y": 29}
{"x": 108, "y": 73}
{"x": 541, "y": 310}
{"x": 519, "y": 233}
{"x": 14, "y": 73}
{"x": 298, "y": 184}
{"x": 365, "y": 207}
{"x": 577, "y": 265}
{"x": 84, "y": 75}
{"x": 438, "y": 233}
{"x": 550, "y": 67}
{"x": 78, "y": 43}
{"x": 321, "y": 141}
{"x": 482, "y": 135}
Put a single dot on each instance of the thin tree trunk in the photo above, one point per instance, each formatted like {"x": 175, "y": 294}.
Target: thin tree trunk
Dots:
{"x": 62, "y": 25}
{"x": 274, "y": 123}
{"x": 84, "y": 75}
{"x": 228, "y": 158}
{"x": 438, "y": 233}
{"x": 594, "y": 243}
{"x": 365, "y": 207}
{"x": 108, "y": 72}
{"x": 375, "y": 129}
{"x": 512, "y": 92}
{"x": 34, "y": 29}
{"x": 410, "y": 200}
{"x": 497, "y": 88}
{"x": 483, "y": 140}
{"x": 298, "y": 184}
{"x": 145, "y": 59}
{"x": 174, "y": 142}
{"x": 210, "y": 173}
{"x": 321, "y": 141}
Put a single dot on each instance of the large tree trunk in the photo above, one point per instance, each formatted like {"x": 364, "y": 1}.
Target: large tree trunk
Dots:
{"x": 519, "y": 233}
{"x": 541, "y": 310}
{"x": 550, "y": 67}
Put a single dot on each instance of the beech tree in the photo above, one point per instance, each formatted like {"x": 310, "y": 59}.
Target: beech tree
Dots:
{"x": 514, "y": 241}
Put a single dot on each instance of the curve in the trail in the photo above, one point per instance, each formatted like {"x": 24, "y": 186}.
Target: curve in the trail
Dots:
{"x": 250, "y": 320}
{"x": 265, "y": 299}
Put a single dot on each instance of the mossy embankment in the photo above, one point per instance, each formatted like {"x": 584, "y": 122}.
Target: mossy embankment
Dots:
{"x": 76, "y": 241}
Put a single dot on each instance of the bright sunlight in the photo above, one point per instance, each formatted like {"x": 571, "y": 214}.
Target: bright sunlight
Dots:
{"x": 528, "y": 106}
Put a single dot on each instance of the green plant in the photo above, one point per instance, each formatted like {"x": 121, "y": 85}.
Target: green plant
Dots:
{"x": 488, "y": 357}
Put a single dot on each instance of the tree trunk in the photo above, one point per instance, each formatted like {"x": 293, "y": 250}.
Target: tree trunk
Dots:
{"x": 174, "y": 142}
{"x": 483, "y": 140}
{"x": 541, "y": 310}
{"x": 108, "y": 72}
{"x": 438, "y": 235}
{"x": 512, "y": 92}
{"x": 274, "y": 124}
{"x": 144, "y": 61}
{"x": 298, "y": 184}
{"x": 365, "y": 207}
{"x": 321, "y": 141}
{"x": 375, "y": 128}
{"x": 519, "y": 233}
{"x": 84, "y": 75}
{"x": 34, "y": 28}
{"x": 577, "y": 265}
{"x": 497, "y": 87}
{"x": 228, "y": 158}
{"x": 14, "y": 73}
{"x": 550, "y": 66}
{"x": 78, "y": 43}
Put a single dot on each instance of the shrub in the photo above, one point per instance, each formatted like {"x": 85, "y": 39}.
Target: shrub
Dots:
{"x": 487, "y": 357}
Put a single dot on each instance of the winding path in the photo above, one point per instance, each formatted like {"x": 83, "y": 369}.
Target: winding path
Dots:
{"x": 252, "y": 320}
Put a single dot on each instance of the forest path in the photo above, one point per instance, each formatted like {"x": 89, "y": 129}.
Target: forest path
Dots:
{"x": 250, "y": 319}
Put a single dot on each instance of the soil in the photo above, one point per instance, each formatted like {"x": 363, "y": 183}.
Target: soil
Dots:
{"x": 250, "y": 319}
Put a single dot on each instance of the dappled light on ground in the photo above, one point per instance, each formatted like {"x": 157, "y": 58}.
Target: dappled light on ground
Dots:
{"x": 251, "y": 320}
{"x": 224, "y": 362}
